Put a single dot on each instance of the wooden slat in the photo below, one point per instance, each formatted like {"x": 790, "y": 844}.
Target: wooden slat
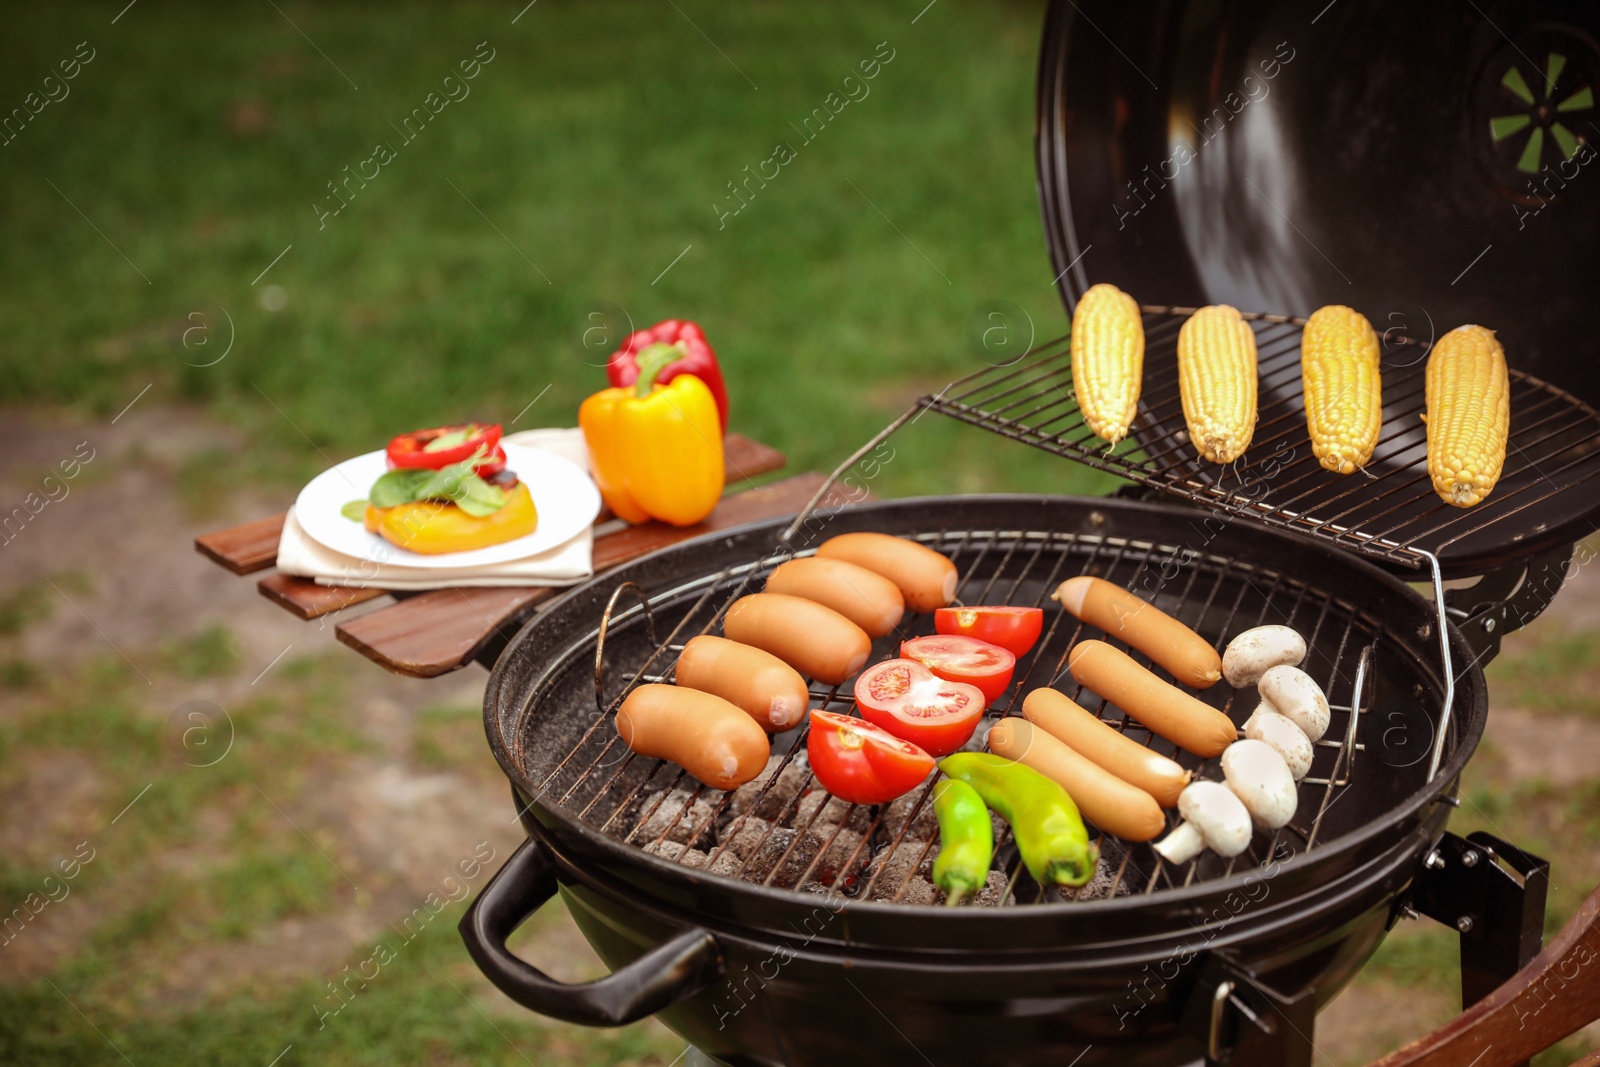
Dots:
{"x": 253, "y": 546}
{"x": 244, "y": 549}
{"x": 304, "y": 598}
{"x": 443, "y": 630}
{"x": 1555, "y": 995}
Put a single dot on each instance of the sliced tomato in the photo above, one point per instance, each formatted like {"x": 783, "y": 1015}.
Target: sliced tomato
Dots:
{"x": 437, "y": 448}
{"x": 914, "y": 704}
{"x": 1014, "y": 629}
{"x": 861, "y": 763}
{"x": 964, "y": 659}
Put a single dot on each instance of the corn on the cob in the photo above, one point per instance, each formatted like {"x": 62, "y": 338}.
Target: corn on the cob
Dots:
{"x": 1469, "y": 414}
{"x": 1217, "y": 380}
{"x": 1107, "y": 360}
{"x": 1343, "y": 391}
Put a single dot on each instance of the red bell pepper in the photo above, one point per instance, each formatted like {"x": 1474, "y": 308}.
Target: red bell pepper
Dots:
{"x": 437, "y": 448}
{"x": 697, "y": 358}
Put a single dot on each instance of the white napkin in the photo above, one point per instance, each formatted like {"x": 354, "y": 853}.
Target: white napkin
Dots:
{"x": 566, "y": 564}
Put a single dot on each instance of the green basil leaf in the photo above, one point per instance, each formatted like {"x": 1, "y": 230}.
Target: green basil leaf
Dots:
{"x": 355, "y": 511}
{"x": 444, "y": 483}
{"x": 453, "y": 439}
{"x": 398, "y": 487}
{"x": 480, "y": 498}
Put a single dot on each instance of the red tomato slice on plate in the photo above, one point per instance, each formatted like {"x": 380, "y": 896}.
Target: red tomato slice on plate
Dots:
{"x": 861, "y": 763}
{"x": 964, "y": 659}
{"x": 1014, "y": 629}
{"x": 914, "y": 704}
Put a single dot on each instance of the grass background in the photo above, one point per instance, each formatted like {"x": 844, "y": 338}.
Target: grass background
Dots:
{"x": 596, "y": 142}
{"x": 594, "y": 145}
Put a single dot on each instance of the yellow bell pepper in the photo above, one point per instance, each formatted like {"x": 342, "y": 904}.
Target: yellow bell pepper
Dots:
{"x": 656, "y": 450}
{"x": 433, "y": 527}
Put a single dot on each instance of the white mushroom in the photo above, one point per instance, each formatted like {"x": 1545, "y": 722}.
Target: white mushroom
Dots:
{"x": 1260, "y": 778}
{"x": 1284, "y": 736}
{"x": 1212, "y": 816}
{"x": 1291, "y": 693}
{"x": 1253, "y": 651}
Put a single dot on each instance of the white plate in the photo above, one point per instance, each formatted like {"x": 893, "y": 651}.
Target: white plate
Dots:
{"x": 563, "y": 493}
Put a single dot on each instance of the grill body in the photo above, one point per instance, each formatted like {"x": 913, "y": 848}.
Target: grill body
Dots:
{"x": 797, "y": 978}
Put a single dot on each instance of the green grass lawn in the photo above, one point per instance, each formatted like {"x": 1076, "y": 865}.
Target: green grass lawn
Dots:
{"x": 595, "y": 147}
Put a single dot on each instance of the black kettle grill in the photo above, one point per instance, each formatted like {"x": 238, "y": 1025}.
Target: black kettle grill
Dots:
{"x": 1382, "y": 163}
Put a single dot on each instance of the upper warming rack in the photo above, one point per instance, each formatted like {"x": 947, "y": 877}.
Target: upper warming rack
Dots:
{"x": 1387, "y": 512}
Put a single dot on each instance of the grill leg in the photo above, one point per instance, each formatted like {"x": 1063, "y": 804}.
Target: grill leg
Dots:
{"x": 1244, "y": 1021}
{"x": 1498, "y": 911}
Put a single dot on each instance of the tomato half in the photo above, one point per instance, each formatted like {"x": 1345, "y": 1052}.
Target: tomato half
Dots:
{"x": 1014, "y": 629}
{"x": 964, "y": 659}
{"x": 861, "y": 763}
{"x": 914, "y": 704}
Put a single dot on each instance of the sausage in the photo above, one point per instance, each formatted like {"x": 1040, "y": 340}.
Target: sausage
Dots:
{"x": 1118, "y": 753}
{"x": 927, "y": 579}
{"x": 1162, "y": 708}
{"x": 814, "y": 640}
{"x": 865, "y": 597}
{"x": 1188, "y": 656}
{"x": 1105, "y": 800}
{"x": 1253, "y": 652}
{"x": 762, "y": 685}
{"x": 704, "y": 734}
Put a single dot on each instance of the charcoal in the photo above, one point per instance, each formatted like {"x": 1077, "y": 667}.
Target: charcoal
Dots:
{"x": 834, "y": 812}
{"x": 679, "y": 817}
{"x": 893, "y": 867}
{"x": 758, "y": 849}
{"x": 678, "y": 853}
{"x": 748, "y": 798}
{"x": 1099, "y": 886}
{"x": 748, "y": 835}
{"x": 924, "y": 827}
{"x": 993, "y": 894}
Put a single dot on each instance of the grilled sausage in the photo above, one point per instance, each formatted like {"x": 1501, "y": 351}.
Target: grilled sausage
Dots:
{"x": 1189, "y": 657}
{"x": 814, "y": 640}
{"x": 765, "y": 687}
{"x": 704, "y": 734}
{"x": 1164, "y": 709}
{"x": 1124, "y": 757}
{"x": 927, "y": 579}
{"x": 1105, "y": 800}
{"x": 865, "y": 597}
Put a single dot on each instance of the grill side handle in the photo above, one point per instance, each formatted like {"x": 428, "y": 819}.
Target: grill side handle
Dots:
{"x": 658, "y": 979}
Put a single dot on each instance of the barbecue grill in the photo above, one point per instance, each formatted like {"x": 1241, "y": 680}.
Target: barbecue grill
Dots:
{"x": 776, "y": 925}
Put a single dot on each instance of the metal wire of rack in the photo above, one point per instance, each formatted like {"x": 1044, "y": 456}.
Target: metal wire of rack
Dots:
{"x": 623, "y": 793}
{"x": 1388, "y": 512}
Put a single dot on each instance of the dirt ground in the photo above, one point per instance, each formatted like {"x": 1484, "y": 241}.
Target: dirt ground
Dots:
{"x": 118, "y": 552}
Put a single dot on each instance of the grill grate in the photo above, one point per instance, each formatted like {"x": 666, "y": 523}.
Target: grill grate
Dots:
{"x": 786, "y": 831}
{"x": 1389, "y": 512}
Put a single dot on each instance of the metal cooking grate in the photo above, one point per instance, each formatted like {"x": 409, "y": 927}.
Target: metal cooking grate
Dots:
{"x": 1389, "y": 512}
{"x": 785, "y": 832}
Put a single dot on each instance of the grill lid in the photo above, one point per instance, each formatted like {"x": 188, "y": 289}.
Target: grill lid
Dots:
{"x": 1429, "y": 165}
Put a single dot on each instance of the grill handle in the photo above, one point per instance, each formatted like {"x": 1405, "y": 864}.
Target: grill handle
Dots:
{"x": 658, "y": 979}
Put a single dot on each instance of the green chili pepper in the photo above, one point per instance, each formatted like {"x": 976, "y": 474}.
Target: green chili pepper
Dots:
{"x": 966, "y": 840}
{"x": 1049, "y": 832}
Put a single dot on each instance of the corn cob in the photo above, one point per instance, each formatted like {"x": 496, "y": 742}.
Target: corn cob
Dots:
{"x": 1343, "y": 391}
{"x": 1217, "y": 380}
{"x": 1469, "y": 414}
{"x": 1107, "y": 360}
